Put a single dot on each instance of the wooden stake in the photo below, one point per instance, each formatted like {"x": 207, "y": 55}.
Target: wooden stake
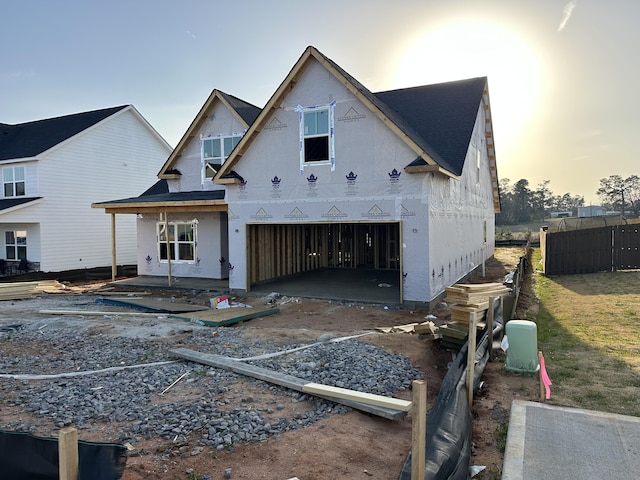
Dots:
{"x": 542, "y": 389}
{"x": 419, "y": 429}
{"x": 490, "y": 326}
{"x": 471, "y": 360}
{"x": 68, "y": 454}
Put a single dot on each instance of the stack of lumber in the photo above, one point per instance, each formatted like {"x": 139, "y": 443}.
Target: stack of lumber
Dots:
{"x": 20, "y": 290}
{"x": 468, "y": 303}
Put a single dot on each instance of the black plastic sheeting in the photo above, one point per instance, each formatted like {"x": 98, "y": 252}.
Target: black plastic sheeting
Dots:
{"x": 26, "y": 457}
{"x": 448, "y": 438}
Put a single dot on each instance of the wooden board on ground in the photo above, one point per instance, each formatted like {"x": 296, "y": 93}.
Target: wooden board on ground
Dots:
{"x": 277, "y": 378}
{"x": 225, "y": 316}
{"x": 22, "y": 290}
{"x": 150, "y": 305}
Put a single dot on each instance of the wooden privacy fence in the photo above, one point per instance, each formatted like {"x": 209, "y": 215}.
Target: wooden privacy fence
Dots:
{"x": 591, "y": 250}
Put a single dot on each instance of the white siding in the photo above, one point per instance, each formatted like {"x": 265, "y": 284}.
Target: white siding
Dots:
{"x": 117, "y": 158}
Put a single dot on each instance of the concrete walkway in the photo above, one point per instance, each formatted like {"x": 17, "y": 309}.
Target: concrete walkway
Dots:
{"x": 560, "y": 443}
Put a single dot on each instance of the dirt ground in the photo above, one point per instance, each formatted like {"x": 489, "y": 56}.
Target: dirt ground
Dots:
{"x": 353, "y": 445}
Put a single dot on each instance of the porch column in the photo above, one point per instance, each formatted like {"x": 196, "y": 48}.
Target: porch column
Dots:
{"x": 166, "y": 229}
{"x": 114, "y": 266}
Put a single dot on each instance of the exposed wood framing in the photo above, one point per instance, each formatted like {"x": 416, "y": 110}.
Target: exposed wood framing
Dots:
{"x": 278, "y": 250}
{"x": 171, "y": 207}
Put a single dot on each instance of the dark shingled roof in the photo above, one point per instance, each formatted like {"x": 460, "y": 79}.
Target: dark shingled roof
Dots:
{"x": 439, "y": 117}
{"x": 247, "y": 112}
{"x": 26, "y": 140}
{"x": 161, "y": 186}
{"x": 166, "y": 198}
{"x": 6, "y": 203}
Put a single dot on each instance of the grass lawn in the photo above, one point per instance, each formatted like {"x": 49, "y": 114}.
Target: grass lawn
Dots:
{"x": 589, "y": 332}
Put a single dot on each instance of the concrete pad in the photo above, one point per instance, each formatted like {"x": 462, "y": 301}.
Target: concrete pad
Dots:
{"x": 561, "y": 443}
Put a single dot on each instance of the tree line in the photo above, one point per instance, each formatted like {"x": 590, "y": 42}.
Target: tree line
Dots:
{"x": 522, "y": 204}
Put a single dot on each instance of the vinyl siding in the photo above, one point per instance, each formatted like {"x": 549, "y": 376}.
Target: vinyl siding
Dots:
{"x": 117, "y": 158}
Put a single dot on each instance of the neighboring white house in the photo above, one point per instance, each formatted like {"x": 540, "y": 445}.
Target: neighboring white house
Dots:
{"x": 53, "y": 169}
{"x": 328, "y": 176}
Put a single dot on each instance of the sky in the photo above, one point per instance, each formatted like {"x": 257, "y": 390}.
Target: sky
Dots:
{"x": 563, "y": 75}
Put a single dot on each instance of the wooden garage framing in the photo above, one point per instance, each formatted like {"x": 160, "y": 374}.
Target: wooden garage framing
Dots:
{"x": 284, "y": 249}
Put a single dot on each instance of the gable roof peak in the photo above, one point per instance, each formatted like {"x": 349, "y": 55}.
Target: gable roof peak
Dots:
{"x": 244, "y": 111}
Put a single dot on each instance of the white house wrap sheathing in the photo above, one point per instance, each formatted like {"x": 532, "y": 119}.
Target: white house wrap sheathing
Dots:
{"x": 446, "y": 224}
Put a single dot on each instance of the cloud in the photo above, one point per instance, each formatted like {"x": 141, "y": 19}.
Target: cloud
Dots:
{"x": 192, "y": 35}
{"x": 566, "y": 13}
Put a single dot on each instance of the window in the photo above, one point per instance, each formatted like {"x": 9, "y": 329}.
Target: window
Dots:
{"x": 316, "y": 135}
{"x": 182, "y": 241}
{"x": 16, "y": 244}
{"x": 13, "y": 181}
{"x": 215, "y": 151}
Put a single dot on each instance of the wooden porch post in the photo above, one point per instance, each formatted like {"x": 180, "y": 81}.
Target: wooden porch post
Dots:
{"x": 114, "y": 265}
{"x": 166, "y": 230}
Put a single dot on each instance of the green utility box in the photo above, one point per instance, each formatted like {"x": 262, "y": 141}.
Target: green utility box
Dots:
{"x": 522, "y": 354}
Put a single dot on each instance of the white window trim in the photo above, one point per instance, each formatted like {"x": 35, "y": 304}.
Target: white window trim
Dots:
{"x": 204, "y": 162}
{"x": 15, "y": 246}
{"x": 332, "y": 150}
{"x": 176, "y": 243}
{"x": 14, "y": 181}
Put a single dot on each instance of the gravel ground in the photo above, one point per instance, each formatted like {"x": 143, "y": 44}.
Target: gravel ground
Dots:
{"x": 132, "y": 398}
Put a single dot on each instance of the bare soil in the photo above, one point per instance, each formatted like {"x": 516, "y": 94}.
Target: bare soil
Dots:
{"x": 352, "y": 445}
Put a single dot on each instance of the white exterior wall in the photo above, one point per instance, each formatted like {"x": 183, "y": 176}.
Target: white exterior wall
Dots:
{"x": 112, "y": 159}
{"x": 457, "y": 215}
{"x": 211, "y": 247}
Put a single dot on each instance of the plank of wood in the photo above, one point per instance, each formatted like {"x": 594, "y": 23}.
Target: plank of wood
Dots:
{"x": 97, "y": 313}
{"x": 479, "y": 286}
{"x": 363, "y": 397}
{"x": 288, "y": 381}
{"x": 226, "y": 316}
{"x": 151, "y": 305}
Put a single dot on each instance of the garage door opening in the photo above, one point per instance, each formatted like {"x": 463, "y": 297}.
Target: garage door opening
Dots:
{"x": 288, "y": 251}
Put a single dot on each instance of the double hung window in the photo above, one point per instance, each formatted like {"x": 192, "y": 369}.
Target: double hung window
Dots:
{"x": 215, "y": 151}
{"x": 15, "y": 242}
{"x": 13, "y": 182}
{"x": 177, "y": 240}
{"x": 316, "y": 135}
